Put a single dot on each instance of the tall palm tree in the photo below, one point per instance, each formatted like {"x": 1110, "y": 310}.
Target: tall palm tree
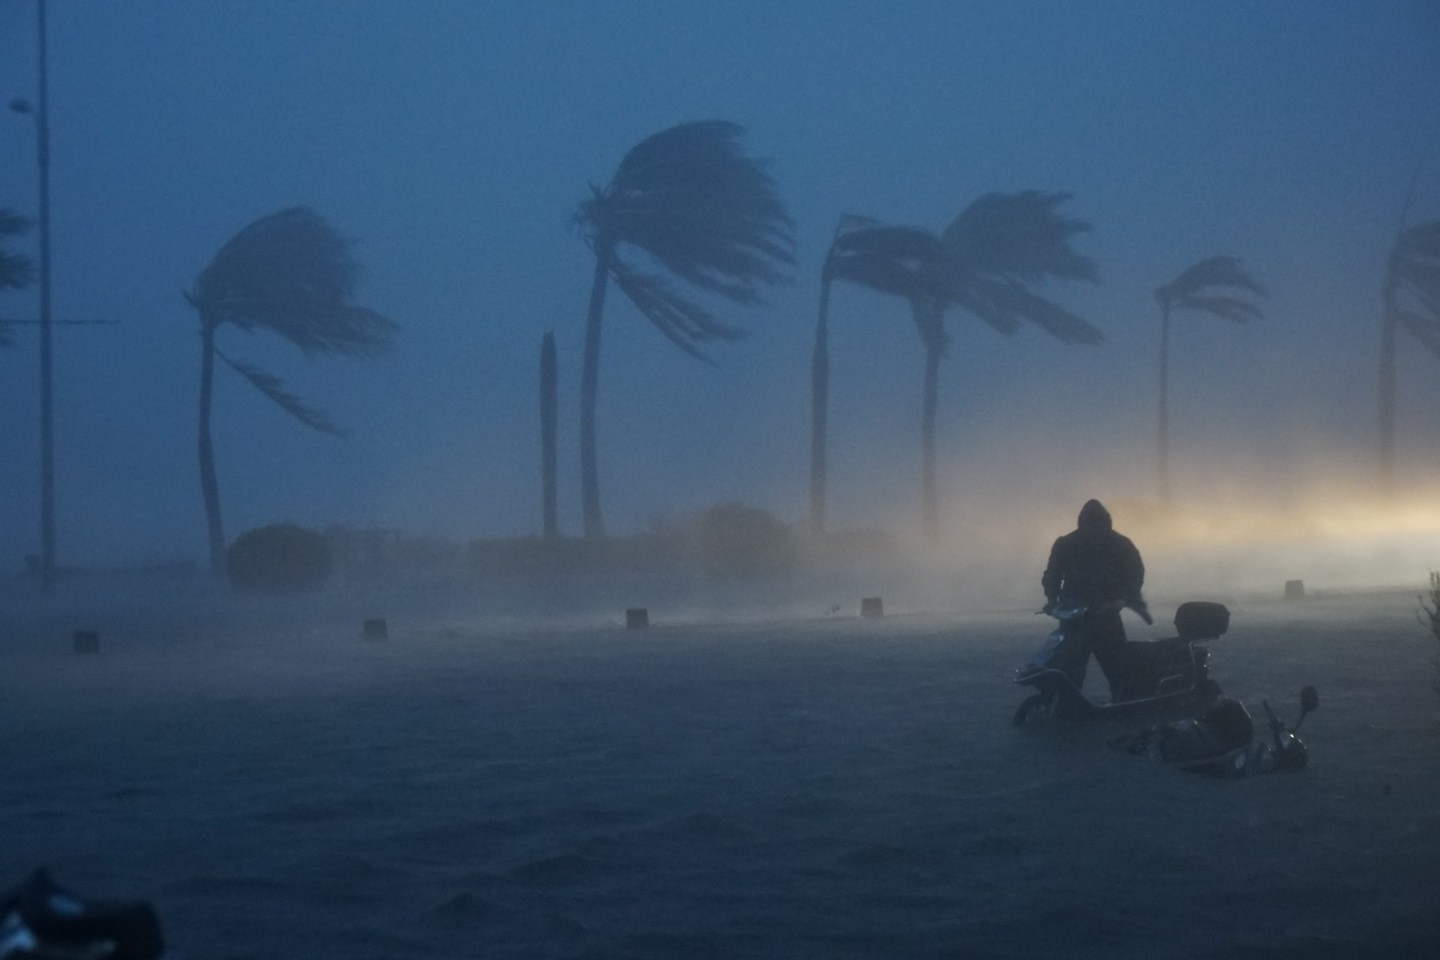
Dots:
{"x": 703, "y": 213}
{"x": 995, "y": 251}
{"x": 983, "y": 263}
{"x": 16, "y": 271}
{"x": 291, "y": 274}
{"x": 1411, "y": 300}
{"x": 887, "y": 259}
{"x": 549, "y": 429}
{"x": 1217, "y": 286}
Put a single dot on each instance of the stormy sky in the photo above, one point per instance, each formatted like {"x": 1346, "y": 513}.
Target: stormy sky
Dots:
{"x": 452, "y": 140}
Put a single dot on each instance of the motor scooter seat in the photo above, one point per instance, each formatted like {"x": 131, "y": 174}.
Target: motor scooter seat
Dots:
{"x": 1156, "y": 651}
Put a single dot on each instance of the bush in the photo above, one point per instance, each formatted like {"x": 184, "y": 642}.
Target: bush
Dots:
{"x": 735, "y": 541}
{"x": 1431, "y": 619}
{"x": 280, "y": 558}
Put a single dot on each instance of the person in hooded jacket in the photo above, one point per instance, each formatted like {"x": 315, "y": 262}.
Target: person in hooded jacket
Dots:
{"x": 1096, "y": 567}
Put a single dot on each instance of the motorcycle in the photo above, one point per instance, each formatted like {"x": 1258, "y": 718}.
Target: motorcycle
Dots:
{"x": 1157, "y": 675}
{"x": 40, "y": 920}
{"x": 1221, "y": 742}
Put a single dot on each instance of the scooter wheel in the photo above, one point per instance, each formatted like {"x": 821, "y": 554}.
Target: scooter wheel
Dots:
{"x": 1034, "y": 709}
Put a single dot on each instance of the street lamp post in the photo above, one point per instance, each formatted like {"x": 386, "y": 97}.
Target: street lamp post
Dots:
{"x": 41, "y": 113}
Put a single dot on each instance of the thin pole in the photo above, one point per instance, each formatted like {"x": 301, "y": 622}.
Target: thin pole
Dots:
{"x": 47, "y": 402}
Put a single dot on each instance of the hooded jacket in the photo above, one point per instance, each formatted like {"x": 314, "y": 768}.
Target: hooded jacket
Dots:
{"x": 1093, "y": 564}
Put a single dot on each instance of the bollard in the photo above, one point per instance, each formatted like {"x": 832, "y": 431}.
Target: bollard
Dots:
{"x": 637, "y": 618}
{"x": 872, "y": 607}
{"x": 1294, "y": 589}
{"x": 85, "y": 641}
{"x": 376, "y": 629}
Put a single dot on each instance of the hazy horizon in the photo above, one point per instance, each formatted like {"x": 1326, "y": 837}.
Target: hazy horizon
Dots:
{"x": 452, "y": 141}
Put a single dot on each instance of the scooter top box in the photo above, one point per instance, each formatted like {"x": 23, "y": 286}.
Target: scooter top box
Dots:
{"x": 1201, "y": 620}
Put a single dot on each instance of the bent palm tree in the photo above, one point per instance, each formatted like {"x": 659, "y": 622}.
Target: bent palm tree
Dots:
{"x": 888, "y": 259}
{"x": 705, "y": 214}
{"x": 15, "y": 270}
{"x": 904, "y": 262}
{"x": 983, "y": 263}
{"x": 994, "y": 251}
{"x": 1411, "y": 299}
{"x": 291, "y": 274}
{"x": 1215, "y": 286}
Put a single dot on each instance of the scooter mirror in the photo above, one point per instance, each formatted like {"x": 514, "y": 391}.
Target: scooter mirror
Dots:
{"x": 1309, "y": 699}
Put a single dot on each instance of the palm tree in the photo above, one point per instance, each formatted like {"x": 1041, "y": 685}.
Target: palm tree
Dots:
{"x": 291, "y": 274}
{"x": 984, "y": 263}
{"x": 1411, "y": 299}
{"x": 887, "y": 259}
{"x": 1216, "y": 286}
{"x": 549, "y": 416}
{"x": 706, "y": 215}
{"x": 16, "y": 271}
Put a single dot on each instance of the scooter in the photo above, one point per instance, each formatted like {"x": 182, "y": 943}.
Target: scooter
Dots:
{"x": 1221, "y": 741}
{"x": 1159, "y": 675}
{"x": 40, "y": 920}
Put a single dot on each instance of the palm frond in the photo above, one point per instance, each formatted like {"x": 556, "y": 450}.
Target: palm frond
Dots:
{"x": 291, "y": 273}
{"x": 905, "y": 244}
{"x": 16, "y": 271}
{"x": 987, "y": 300}
{"x": 1418, "y": 244}
{"x": 1019, "y": 236}
{"x": 850, "y": 222}
{"x": 12, "y": 224}
{"x": 707, "y": 213}
{"x": 1053, "y": 318}
{"x": 1415, "y": 263}
{"x": 1226, "y": 308}
{"x": 1201, "y": 279}
{"x": 1425, "y": 329}
{"x": 274, "y": 388}
{"x": 1004, "y": 305}
{"x": 902, "y": 261}
{"x": 320, "y": 327}
{"x": 683, "y": 321}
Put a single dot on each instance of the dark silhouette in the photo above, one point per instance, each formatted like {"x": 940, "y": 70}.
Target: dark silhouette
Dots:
{"x": 40, "y": 110}
{"x": 902, "y": 261}
{"x": 291, "y": 274}
{"x": 1214, "y": 286}
{"x": 984, "y": 263}
{"x": 708, "y": 216}
{"x": 1097, "y": 568}
{"x": 16, "y": 271}
{"x": 549, "y": 408}
{"x": 1411, "y": 299}
{"x": 279, "y": 558}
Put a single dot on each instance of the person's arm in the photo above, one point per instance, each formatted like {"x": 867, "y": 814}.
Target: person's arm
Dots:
{"x": 1134, "y": 580}
{"x": 1053, "y": 576}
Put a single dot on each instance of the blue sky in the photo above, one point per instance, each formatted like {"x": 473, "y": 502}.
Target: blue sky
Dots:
{"x": 452, "y": 140}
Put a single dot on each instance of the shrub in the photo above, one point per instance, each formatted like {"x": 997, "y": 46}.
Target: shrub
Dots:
{"x": 1431, "y": 619}
{"x": 735, "y": 541}
{"x": 279, "y": 558}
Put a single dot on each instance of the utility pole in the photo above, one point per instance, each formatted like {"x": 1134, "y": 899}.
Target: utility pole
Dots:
{"x": 47, "y": 393}
{"x": 41, "y": 112}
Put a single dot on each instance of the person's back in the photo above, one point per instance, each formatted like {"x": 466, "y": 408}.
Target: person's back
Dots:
{"x": 1095, "y": 567}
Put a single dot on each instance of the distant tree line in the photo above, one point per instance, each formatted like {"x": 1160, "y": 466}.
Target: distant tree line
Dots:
{"x": 708, "y": 221}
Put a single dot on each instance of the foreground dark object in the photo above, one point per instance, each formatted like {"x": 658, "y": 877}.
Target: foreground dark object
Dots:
{"x": 1221, "y": 742}
{"x": 42, "y": 920}
{"x": 1159, "y": 675}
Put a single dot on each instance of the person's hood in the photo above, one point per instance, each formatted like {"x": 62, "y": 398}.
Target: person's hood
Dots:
{"x": 1094, "y": 516}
